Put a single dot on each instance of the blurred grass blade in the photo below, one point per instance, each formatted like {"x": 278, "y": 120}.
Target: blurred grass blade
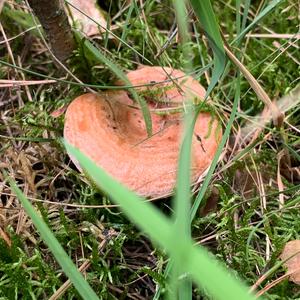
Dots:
{"x": 238, "y": 16}
{"x": 245, "y": 13}
{"x": 206, "y": 271}
{"x": 257, "y": 19}
{"x": 127, "y": 22}
{"x": 94, "y": 55}
{"x": 179, "y": 281}
{"x": 182, "y": 197}
{"x": 59, "y": 253}
{"x": 219, "y": 150}
{"x": 207, "y": 18}
{"x": 182, "y": 206}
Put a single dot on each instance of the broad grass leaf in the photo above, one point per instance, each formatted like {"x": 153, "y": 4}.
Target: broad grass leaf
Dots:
{"x": 208, "y": 20}
{"x": 204, "y": 269}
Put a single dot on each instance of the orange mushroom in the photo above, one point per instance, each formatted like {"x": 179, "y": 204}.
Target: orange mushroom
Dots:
{"x": 109, "y": 128}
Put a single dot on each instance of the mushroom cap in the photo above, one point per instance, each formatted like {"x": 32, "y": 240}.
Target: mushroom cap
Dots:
{"x": 110, "y": 130}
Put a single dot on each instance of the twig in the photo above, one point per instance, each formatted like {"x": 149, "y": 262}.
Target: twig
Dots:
{"x": 68, "y": 283}
{"x": 275, "y": 282}
{"x": 13, "y": 83}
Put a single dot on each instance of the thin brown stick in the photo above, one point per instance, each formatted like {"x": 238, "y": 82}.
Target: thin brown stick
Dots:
{"x": 68, "y": 283}
{"x": 82, "y": 268}
{"x": 277, "y": 115}
{"x": 276, "y": 281}
{"x": 13, "y": 83}
{"x": 54, "y": 21}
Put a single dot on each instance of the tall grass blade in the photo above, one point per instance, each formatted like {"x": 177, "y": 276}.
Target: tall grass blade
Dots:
{"x": 219, "y": 151}
{"x": 182, "y": 224}
{"x": 257, "y": 19}
{"x": 245, "y": 13}
{"x": 181, "y": 281}
{"x": 182, "y": 206}
{"x": 205, "y": 270}
{"x": 238, "y": 16}
{"x": 59, "y": 253}
{"x": 207, "y": 18}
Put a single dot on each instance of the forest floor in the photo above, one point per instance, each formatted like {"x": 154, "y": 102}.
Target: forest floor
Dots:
{"x": 252, "y": 203}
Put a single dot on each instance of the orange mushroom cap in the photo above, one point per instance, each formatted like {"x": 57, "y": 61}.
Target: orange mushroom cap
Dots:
{"x": 110, "y": 130}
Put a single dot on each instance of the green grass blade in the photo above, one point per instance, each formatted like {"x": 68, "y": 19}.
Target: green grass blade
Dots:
{"x": 182, "y": 206}
{"x": 127, "y": 21}
{"x": 59, "y": 253}
{"x": 207, "y": 18}
{"x": 94, "y": 55}
{"x": 238, "y": 16}
{"x": 183, "y": 193}
{"x": 146, "y": 216}
{"x": 219, "y": 151}
{"x": 206, "y": 271}
{"x": 245, "y": 13}
{"x": 257, "y": 19}
{"x": 182, "y": 198}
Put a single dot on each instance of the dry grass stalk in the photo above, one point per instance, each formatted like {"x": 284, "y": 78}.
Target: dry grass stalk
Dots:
{"x": 277, "y": 115}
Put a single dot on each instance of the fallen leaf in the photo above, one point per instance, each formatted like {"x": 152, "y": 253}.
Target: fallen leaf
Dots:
{"x": 90, "y": 8}
{"x": 211, "y": 202}
{"x": 291, "y": 253}
{"x": 5, "y": 237}
{"x": 58, "y": 112}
